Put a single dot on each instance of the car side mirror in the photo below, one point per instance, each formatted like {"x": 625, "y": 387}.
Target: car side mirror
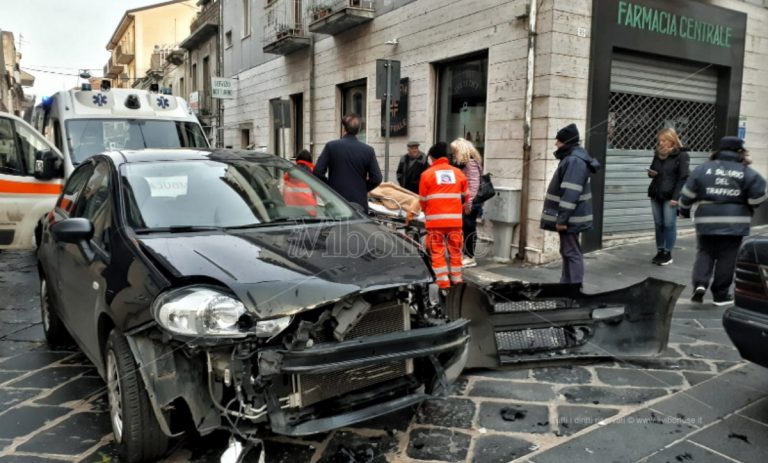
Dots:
{"x": 72, "y": 230}
{"x": 49, "y": 165}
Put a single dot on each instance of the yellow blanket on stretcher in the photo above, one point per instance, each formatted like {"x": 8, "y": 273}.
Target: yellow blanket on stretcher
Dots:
{"x": 395, "y": 197}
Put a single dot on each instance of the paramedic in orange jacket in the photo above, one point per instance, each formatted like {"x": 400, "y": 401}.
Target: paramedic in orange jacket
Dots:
{"x": 443, "y": 189}
{"x": 296, "y": 192}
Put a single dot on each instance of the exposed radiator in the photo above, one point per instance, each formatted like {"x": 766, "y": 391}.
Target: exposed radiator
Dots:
{"x": 381, "y": 319}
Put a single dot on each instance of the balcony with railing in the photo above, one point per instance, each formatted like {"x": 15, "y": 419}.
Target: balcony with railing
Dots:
{"x": 112, "y": 69}
{"x": 124, "y": 52}
{"x": 285, "y": 31}
{"x": 204, "y": 26}
{"x": 335, "y": 16}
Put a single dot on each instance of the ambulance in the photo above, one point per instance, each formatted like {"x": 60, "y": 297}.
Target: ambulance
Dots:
{"x": 75, "y": 125}
{"x": 27, "y": 191}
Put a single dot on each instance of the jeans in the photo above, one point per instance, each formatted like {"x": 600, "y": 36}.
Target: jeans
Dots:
{"x": 665, "y": 218}
{"x": 469, "y": 227}
{"x": 716, "y": 253}
{"x": 573, "y": 259}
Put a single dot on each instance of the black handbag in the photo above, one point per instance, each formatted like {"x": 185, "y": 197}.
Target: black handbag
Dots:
{"x": 485, "y": 191}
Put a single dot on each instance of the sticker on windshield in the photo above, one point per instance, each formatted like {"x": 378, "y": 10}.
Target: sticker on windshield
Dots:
{"x": 168, "y": 186}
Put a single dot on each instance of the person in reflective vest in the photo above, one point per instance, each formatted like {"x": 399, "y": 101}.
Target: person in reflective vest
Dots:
{"x": 726, "y": 191}
{"x": 443, "y": 189}
{"x": 568, "y": 201}
{"x": 297, "y": 193}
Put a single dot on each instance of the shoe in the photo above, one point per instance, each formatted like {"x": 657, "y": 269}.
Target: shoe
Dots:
{"x": 665, "y": 259}
{"x": 468, "y": 262}
{"x": 657, "y": 257}
{"x": 698, "y": 294}
{"x": 725, "y": 301}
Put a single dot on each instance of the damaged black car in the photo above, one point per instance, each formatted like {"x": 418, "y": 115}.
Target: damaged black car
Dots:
{"x": 232, "y": 290}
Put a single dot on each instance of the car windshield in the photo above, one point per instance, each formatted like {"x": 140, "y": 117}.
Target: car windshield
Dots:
{"x": 87, "y": 137}
{"x": 190, "y": 194}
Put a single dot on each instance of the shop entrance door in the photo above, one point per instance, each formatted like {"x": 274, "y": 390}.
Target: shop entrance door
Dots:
{"x": 645, "y": 97}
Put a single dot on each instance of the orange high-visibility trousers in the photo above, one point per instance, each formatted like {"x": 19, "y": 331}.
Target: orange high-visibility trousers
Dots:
{"x": 437, "y": 238}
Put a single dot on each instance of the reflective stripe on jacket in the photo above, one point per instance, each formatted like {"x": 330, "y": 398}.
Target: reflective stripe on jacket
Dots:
{"x": 442, "y": 191}
{"x": 725, "y": 192}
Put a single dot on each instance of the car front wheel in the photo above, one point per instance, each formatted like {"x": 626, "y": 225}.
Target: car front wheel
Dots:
{"x": 137, "y": 432}
{"x": 55, "y": 332}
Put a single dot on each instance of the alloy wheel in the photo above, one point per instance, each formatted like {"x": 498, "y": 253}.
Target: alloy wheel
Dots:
{"x": 115, "y": 396}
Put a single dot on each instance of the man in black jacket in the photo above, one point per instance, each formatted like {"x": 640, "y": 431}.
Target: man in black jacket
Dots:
{"x": 351, "y": 166}
{"x": 411, "y": 166}
{"x": 726, "y": 190}
{"x": 568, "y": 202}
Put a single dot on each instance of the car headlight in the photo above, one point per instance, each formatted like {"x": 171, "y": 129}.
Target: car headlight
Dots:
{"x": 205, "y": 311}
{"x": 764, "y": 271}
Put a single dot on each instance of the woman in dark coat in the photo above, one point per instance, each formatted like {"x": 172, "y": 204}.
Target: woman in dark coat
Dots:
{"x": 669, "y": 171}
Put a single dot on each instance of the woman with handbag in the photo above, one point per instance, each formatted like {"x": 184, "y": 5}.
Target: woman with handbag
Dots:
{"x": 467, "y": 158}
{"x": 669, "y": 170}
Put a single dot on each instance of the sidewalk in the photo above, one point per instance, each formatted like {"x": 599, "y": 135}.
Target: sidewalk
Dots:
{"x": 608, "y": 269}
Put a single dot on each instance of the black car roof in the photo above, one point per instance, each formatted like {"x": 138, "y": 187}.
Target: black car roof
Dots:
{"x": 185, "y": 154}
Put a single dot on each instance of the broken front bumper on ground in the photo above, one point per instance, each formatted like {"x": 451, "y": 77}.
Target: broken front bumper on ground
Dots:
{"x": 298, "y": 391}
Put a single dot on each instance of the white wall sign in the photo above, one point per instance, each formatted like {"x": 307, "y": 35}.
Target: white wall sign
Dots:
{"x": 222, "y": 87}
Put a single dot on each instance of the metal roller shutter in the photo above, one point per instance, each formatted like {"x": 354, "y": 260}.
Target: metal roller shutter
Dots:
{"x": 647, "y": 96}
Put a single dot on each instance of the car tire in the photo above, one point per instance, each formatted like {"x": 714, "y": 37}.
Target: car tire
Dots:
{"x": 137, "y": 433}
{"x": 39, "y": 234}
{"x": 56, "y": 333}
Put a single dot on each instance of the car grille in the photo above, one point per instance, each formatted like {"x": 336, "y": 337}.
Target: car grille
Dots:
{"x": 530, "y": 339}
{"x": 381, "y": 319}
{"x": 526, "y": 306}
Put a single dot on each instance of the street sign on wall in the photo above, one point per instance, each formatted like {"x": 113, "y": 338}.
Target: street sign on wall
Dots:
{"x": 194, "y": 102}
{"x": 221, "y": 87}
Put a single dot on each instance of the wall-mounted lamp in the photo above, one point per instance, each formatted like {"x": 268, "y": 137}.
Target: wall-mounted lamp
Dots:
{"x": 392, "y": 42}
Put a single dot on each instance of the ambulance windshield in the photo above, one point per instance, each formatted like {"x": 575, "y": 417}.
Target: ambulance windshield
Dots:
{"x": 87, "y": 137}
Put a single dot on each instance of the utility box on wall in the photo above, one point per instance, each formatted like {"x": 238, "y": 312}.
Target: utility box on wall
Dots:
{"x": 504, "y": 211}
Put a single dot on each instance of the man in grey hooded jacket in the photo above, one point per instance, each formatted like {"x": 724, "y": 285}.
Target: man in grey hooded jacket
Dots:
{"x": 568, "y": 202}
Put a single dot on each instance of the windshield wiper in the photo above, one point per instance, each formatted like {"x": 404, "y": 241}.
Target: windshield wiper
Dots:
{"x": 179, "y": 229}
{"x": 282, "y": 221}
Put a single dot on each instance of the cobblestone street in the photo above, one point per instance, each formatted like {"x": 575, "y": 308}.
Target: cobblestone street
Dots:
{"x": 54, "y": 404}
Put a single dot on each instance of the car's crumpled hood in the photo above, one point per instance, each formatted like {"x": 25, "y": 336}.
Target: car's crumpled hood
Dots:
{"x": 283, "y": 270}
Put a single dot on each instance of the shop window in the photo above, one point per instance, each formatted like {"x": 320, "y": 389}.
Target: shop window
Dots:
{"x": 462, "y": 97}
{"x": 353, "y": 100}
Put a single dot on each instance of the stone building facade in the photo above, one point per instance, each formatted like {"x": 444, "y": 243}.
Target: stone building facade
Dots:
{"x": 464, "y": 70}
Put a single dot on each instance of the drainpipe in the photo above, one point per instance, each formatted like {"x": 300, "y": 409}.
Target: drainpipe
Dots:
{"x": 527, "y": 132}
{"x": 220, "y": 73}
{"x": 311, "y": 100}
